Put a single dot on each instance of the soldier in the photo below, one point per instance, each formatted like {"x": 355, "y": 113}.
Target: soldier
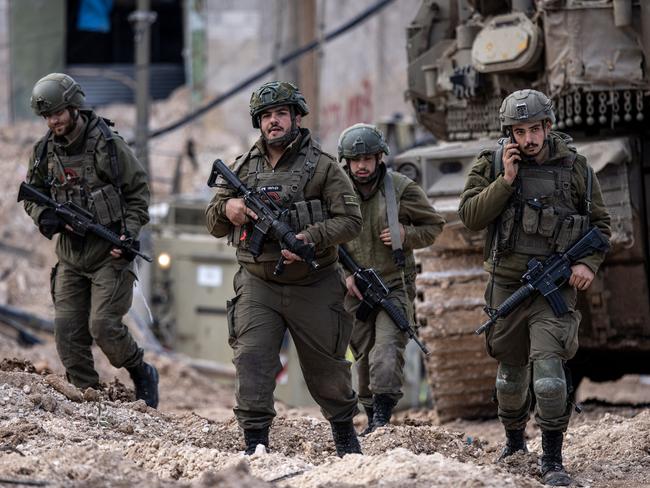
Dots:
{"x": 288, "y": 166}
{"x": 82, "y": 160}
{"x": 536, "y": 195}
{"x": 378, "y": 345}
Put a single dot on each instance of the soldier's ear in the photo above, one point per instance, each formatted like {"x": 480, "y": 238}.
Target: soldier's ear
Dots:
{"x": 298, "y": 119}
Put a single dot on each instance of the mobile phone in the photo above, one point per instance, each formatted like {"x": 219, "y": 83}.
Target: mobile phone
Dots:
{"x": 511, "y": 140}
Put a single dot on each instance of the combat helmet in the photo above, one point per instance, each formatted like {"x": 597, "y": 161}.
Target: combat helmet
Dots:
{"x": 525, "y": 106}
{"x": 55, "y": 92}
{"x": 274, "y": 93}
{"x": 361, "y": 139}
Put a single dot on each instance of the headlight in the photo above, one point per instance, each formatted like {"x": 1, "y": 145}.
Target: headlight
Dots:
{"x": 164, "y": 260}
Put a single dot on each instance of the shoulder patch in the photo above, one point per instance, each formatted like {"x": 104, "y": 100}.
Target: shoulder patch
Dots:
{"x": 350, "y": 200}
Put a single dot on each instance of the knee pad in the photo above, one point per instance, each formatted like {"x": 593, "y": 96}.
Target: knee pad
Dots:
{"x": 549, "y": 384}
{"x": 512, "y": 386}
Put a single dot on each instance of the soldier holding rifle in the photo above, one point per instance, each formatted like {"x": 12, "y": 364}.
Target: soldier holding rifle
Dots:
{"x": 305, "y": 185}
{"x": 87, "y": 169}
{"x": 397, "y": 218}
{"x": 537, "y": 196}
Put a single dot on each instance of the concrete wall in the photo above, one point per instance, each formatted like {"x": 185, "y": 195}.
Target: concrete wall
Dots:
{"x": 5, "y": 60}
{"x": 238, "y": 43}
{"x": 362, "y": 73}
{"x": 37, "y": 47}
{"x": 363, "y": 77}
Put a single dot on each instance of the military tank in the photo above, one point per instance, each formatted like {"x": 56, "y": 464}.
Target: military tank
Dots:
{"x": 592, "y": 57}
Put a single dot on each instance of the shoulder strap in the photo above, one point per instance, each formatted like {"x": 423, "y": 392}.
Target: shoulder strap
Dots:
{"x": 311, "y": 160}
{"x": 393, "y": 222}
{"x": 107, "y": 133}
{"x": 588, "y": 193}
{"x": 112, "y": 151}
{"x": 241, "y": 160}
{"x": 41, "y": 155}
{"x": 497, "y": 158}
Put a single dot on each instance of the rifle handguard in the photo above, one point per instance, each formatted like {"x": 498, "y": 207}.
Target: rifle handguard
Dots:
{"x": 512, "y": 302}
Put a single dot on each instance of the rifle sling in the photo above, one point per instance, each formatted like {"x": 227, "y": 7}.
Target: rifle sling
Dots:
{"x": 393, "y": 222}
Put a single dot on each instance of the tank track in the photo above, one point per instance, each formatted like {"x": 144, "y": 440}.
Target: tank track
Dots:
{"x": 449, "y": 307}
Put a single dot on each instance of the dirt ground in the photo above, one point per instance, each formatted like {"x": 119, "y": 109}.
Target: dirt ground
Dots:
{"x": 51, "y": 433}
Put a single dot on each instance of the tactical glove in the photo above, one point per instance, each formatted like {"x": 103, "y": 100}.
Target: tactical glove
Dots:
{"x": 49, "y": 223}
{"x": 127, "y": 253}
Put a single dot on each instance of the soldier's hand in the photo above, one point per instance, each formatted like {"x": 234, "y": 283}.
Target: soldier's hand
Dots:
{"x": 116, "y": 252}
{"x": 290, "y": 257}
{"x": 237, "y": 211}
{"x": 581, "y": 276}
{"x": 511, "y": 156}
{"x": 352, "y": 287}
{"x": 384, "y": 235}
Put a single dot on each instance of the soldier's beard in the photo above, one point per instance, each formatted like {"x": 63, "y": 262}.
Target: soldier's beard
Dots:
{"x": 284, "y": 140}
{"x": 364, "y": 180}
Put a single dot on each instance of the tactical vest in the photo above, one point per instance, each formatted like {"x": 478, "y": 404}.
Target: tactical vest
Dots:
{"x": 74, "y": 177}
{"x": 540, "y": 217}
{"x": 284, "y": 191}
{"x": 366, "y": 248}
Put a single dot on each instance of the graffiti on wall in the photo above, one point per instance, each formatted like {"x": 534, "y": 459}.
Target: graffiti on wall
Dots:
{"x": 337, "y": 115}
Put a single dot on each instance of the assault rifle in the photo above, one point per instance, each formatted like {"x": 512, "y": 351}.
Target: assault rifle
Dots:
{"x": 270, "y": 219}
{"x": 80, "y": 220}
{"x": 375, "y": 293}
{"x": 547, "y": 277}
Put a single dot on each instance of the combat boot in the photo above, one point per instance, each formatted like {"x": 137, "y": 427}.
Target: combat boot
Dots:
{"x": 145, "y": 380}
{"x": 514, "y": 442}
{"x": 383, "y": 409}
{"x": 553, "y": 472}
{"x": 254, "y": 437}
{"x": 345, "y": 438}
{"x": 370, "y": 412}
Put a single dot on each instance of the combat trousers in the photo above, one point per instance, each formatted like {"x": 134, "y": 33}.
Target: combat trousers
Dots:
{"x": 525, "y": 343}
{"x": 378, "y": 349}
{"x": 258, "y": 317}
{"x": 89, "y": 305}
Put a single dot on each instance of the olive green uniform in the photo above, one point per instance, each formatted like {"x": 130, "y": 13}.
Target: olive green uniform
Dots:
{"x": 91, "y": 289}
{"x": 543, "y": 212}
{"x": 378, "y": 345}
{"x": 309, "y": 303}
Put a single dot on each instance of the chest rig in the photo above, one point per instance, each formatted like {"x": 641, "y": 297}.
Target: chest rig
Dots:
{"x": 541, "y": 217}
{"x": 74, "y": 177}
{"x": 284, "y": 190}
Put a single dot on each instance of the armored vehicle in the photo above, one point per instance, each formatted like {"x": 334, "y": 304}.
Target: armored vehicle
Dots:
{"x": 592, "y": 58}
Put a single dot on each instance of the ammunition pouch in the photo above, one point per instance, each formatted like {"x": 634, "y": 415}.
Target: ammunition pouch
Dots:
{"x": 300, "y": 216}
{"x": 571, "y": 229}
{"x": 305, "y": 213}
{"x": 106, "y": 205}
